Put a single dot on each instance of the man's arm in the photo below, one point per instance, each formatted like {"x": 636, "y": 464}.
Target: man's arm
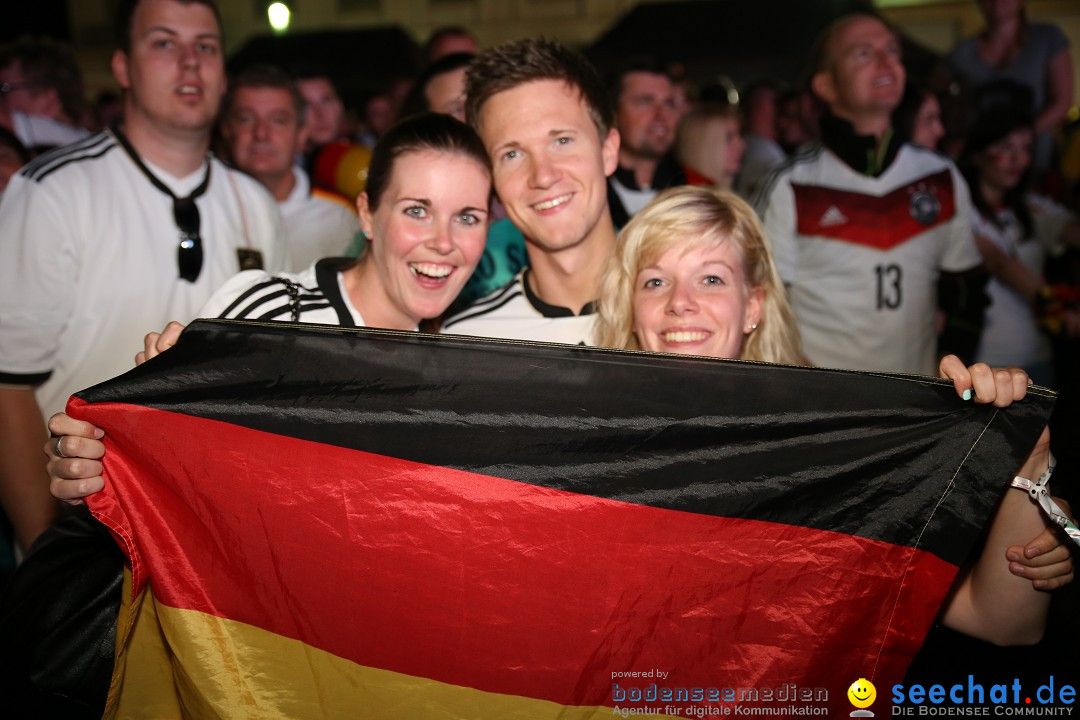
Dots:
{"x": 24, "y": 484}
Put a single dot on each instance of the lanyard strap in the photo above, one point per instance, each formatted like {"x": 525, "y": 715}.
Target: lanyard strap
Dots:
{"x": 126, "y": 144}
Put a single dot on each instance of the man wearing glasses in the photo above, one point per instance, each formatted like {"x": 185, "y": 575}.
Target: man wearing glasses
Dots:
{"x": 41, "y": 93}
{"x": 120, "y": 232}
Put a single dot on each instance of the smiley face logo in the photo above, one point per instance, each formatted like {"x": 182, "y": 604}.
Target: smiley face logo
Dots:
{"x": 862, "y": 693}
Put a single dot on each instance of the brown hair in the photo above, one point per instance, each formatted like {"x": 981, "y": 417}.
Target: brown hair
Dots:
{"x": 507, "y": 66}
{"x": 125, "y": 14}
{"x": 262, "y": 75}
{"x": 48, "y": 64}
{"x": 426, "y": 131}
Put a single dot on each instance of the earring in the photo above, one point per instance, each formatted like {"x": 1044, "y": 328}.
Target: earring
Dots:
{"x": 752, "y": 328}
{"x": 366, "y": 234}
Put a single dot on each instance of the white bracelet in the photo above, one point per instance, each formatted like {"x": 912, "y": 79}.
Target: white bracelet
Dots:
{"x": 1040, "y": 493}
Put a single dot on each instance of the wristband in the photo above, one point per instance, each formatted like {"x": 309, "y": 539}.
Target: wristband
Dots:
{"x": 1040, "y": 493}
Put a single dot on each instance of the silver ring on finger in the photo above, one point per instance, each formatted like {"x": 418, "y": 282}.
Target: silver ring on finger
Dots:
{"x": 59, "y": 452}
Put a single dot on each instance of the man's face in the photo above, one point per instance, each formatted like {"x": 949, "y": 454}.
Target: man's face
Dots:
{"x": 445, "y": 93}
{"x": 174, "y": 73}
{"x": 263, "y": 132}
{"x": 27, "y": 97}
{"x": 325, "y": 111}
{"x": 646, "y": 117}
{"x": 550, "y": 164}
{"x": 866, "y": 76}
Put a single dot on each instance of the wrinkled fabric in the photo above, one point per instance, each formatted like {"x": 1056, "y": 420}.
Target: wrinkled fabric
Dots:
{"x": 446, "y": 527}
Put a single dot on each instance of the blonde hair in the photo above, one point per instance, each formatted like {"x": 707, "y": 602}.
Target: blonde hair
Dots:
{"x": 680, "y": 217}
{"x": 699, "y": 143}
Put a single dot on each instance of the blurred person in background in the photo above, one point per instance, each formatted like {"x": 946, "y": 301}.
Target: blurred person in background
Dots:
{"x": 41, "y": 77}
{"x": 1016, "y": 231}
{"x": 864, "y": 226}
{"x": 262, "y": 126}
{"x": 324, "y": 112}
{"x": 918, "y": 118}
{"x": 440, "y": 88}
{"x": 645, "y": 116}
{"x": 763, "y": 153}
{"x": 797, "y": 119}
{"x": 41, "y": 94}
{"x": 710, "y": 146}
{"x": 449, "y": 40}
{"x": 1025, "y": 64}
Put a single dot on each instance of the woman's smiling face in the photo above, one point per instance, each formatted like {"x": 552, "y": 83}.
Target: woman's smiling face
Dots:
{"x": 694, "y": 299}
{"x": 428, "y": 233}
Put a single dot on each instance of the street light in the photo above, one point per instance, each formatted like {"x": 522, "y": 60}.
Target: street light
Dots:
{"x": 279, "y": 15}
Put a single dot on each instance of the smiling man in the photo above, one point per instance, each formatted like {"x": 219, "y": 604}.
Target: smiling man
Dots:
{"x": 862, "y": 226}
{"x": 119, "y": 233}
{"x": 544, "y": 117}
{"x": 643, "y": 98}
{"x": 263, "y": 128}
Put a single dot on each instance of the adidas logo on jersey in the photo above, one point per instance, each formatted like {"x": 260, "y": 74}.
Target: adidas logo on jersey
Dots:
{"x": 832, "y": 217}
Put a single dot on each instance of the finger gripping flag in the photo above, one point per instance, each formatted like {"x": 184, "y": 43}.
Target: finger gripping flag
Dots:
{"x": 356, "y": 523}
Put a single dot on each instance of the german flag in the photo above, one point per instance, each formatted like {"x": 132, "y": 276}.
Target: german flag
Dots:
{"x": 357, "y": 523}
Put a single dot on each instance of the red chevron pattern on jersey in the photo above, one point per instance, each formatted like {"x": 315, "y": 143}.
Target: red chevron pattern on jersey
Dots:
{"x": 879, "y": 222}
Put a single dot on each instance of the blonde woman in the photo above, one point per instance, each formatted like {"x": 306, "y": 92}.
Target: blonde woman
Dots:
{"x": 703, "y": 252}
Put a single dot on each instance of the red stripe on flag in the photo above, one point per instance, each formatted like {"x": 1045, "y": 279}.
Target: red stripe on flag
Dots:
{"x": 498, "y": 585}
{"x": 877, "y": 222}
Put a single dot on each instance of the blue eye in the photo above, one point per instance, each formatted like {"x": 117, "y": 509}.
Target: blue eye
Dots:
{"x": 653, "y": 283}
{"x": 564, "y": 140}
{"x": 713, "y": 280}
{"x": 416, "y": 211}
{"x": 468, "y": 219}
{"x": 510, "y": 154}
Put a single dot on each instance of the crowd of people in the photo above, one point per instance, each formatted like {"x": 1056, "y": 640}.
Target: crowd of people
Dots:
{"x": 569, "y": 209}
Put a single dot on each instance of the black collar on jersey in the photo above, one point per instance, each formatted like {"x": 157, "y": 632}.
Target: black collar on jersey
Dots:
{"x": 669, "y": 173}
{"x": 862, "y": 153}
{"x": 185, "y": 212}
{"x": 326, "y": 276}
{"x": 126, "y": 144}
{"x": 549, "y": 311}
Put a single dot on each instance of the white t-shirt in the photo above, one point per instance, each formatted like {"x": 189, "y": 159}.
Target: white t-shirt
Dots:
{"x": 861, "y": 255}
{"x": 514, "y": 312}
{"x": 1010, "y": 335}
{"x": 633, "y": 199}
{"x": 318, "y": 224}
{"x": 88, "y": 262}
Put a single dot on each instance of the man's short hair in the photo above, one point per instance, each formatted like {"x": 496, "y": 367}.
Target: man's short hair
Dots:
{"x": 47, "y": 64}
{"x": 821, "y": 53}
{"x": 440, "y": 34}
{"x": 311, "y": 71}
{"x": 516, "y": 63}
{"x": 262, "y": 75}
{"x": 125, "y": 13}
{"x": 642, "y": 64}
